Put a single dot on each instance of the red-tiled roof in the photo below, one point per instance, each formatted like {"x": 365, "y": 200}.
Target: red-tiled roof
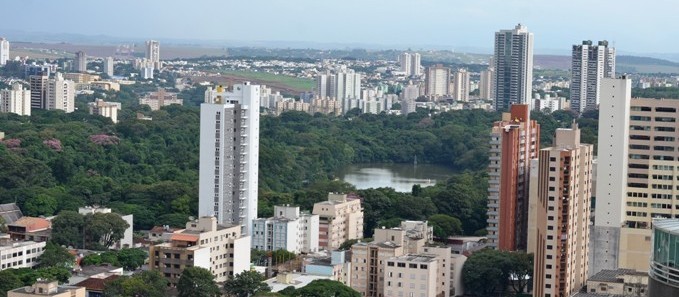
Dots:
{"x": 184, "y": 237}
{"x": 33, "y": 224}
{"x": 96, "y": 284}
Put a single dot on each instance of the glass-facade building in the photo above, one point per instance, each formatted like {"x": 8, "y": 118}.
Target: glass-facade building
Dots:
{"x": 664, "y": 270}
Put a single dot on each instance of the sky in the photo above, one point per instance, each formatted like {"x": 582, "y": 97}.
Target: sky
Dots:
{"x": 632, "y": 26}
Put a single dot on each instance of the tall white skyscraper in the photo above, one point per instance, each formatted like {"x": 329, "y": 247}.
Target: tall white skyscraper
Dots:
{"x": 590, "y": 63}
{"x": 108, "y": 66}
{"x": 229, "y": 154}
{"x": 513, "y": 61}
{"x": 60, "y": 94}
{"x": 461, "y": 85}
{"x": 4, "y": 51}
{"x": 153, "y": 53}
{"x": 410, "y": 63}
{"x": 344, "y": 86}
{"x": 16, "y": 100}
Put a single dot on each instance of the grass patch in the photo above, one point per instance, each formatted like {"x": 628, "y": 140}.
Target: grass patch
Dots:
{"x": 291, "y": 82}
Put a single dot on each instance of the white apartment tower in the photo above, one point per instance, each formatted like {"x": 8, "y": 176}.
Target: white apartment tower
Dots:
{"x": 229, "y": 154}
{"x": 486, "y": 90}
{"x": 4, "y": 51}
{"x": 60, "y": 94}
{"x": 611, "y": 173}
{"x": 105, "y": 109}
{"x": 513, "y": 63}
{"x": 153, "y": 53}
{"x": 287, "y": 230}
{"x": 461, "y": 85}
{"x": 108, "y": 66}
{"x": 437, "y": 81}
{"x": 590, "y": 63}
{"x": 16, "y": 100}
{"x": 410, "y": 63}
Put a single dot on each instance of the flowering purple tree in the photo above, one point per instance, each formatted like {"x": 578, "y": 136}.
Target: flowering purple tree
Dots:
{"x": 53, "y": 143}
{"x": 103, "y": 139}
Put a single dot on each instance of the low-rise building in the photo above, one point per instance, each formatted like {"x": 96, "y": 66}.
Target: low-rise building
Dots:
{"x": 160, "y": 98}
{"x": 105, "y": 109}
{"x": 127, "y": 240}
{"x": 162, "y": 233}
{"x": 19, "y": 254}
{"x": 412, "y": 275}
{"x": 43, "y": 288}
{"x": 218, "y": 248}
{"x": 336, "y": 266}
{"x": 287, "y": 230}
{"x": 368, "y": 260}
{"x": 340, "y": 219}
{"x": 619, "y": 282}
{"x": 30, "y": 229}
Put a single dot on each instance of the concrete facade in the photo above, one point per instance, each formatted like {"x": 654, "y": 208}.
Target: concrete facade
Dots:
{"x": 286, "y": 230}
{"x": 229, "y": 155}
{"x": 340, "y": 219}
{"x": 589, "y": 64}
{"x": 513, "y": 64}
{"x": 16, "y": 100}
{"x": 19, "y": 254}
{"x": 160, "y": 98}
{"x": 204, "y": 243}
{"x": 437, "y": 81}
{"x": 105, "y": 109}
{"x": 47, "y": 288}
{"x": 513, "y": 142}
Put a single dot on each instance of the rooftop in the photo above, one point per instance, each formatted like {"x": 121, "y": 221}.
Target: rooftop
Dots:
{"x": 668, "y": 225}
{"x": 10, "y": 212}
{"x": 422, "y": 258}
{"x": 96, "y": 283}
{"x": 298, "y": 280}
{"x": 614, "y": 275}
{"x": 32, "y": 223}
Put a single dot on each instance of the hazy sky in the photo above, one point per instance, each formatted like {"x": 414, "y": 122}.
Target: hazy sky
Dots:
{"x": 633, "y": 26}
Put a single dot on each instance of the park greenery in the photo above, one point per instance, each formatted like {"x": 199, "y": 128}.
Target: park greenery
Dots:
{"x": 491, "y": 272}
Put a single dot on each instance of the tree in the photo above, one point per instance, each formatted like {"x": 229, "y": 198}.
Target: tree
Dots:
{"x": 55, "y": 256}
{"x": 445, "y": 226}
{"x": 41, "y": 205}
{"x": 104, "y": 229}
{"x": 198, "y": 282}
{"x": 489, "y": 272}
{"x": 326, "y": 288}
{"x": 67, "y": 229}
{"x": 521, "y": 271}
{"x": 143, "y": 284}
{"x": 131, "y": 259}
{"x": 8, "y": 281}
{"x": 246, "y": 284}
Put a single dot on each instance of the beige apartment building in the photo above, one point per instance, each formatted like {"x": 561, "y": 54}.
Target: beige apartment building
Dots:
{"x": 204, "y": 243}
{"x": 340, "y": 219}
{"x": 367, "y": 262}
{"x": 160, "y": 98}
{"x": 637, "y": 175}
{"x": 558, "y": 232}
{"x": 397, "y": 263}
{"x": 43, "y": 288}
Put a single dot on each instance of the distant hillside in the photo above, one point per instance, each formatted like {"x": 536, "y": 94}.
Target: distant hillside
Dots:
{"x": 634, "y": 64}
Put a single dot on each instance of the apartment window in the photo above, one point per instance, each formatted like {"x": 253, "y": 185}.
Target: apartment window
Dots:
{"x": 640, "y": 118}
{"x": 411, "y": 265}
{"x": 665, "y": 109}
{"x": 639, "y": 147}
{"x": 390, "y": 264}
{"x": 401, "y": 264}
{"x": 665, "y": 119}
{"x": 665, "y": 129}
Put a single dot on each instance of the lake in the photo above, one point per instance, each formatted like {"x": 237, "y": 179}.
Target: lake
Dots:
{"x": 401, "y": 177}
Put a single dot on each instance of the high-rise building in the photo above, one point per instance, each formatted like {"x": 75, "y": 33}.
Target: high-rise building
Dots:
{"x": 558, "y": 232}
{"x": 4, "y": 51}
{"x": 589, "y": 64}
{"x": 638, "y": 164}
{"x": 410, "y": 63}
{"x": 486, "y": 89}
{"x": 344, "y": 86}
{"x": 38, "y": 85}
{"x": 153, "y": 53}
{"x": 287, "y": 230}
{"x": 105, "y": 109}
{"x": 514, "y": 141}
{"x": 108, "y": 66}
{"x": 461, "y": 86}
{"x": 513, "y": 63}
{"x": 229, "y": 154}
{"x": 437, "y": 81}
{"x": 16, "y": 100}
{"x": 221, "y": 249}
{"x": 60, "y": 94}
{"x": 406, "y": 63}
{"x": 340, "y": 219}
{"x": 80, "y": 62}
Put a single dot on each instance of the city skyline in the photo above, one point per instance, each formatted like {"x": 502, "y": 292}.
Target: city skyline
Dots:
{"x": 553, "y": 28}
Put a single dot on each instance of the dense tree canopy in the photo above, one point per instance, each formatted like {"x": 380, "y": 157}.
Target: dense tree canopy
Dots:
{"x": 491, "y": 272}
{"x": 197, "y": 282}
{"x": 246, "y": 284}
